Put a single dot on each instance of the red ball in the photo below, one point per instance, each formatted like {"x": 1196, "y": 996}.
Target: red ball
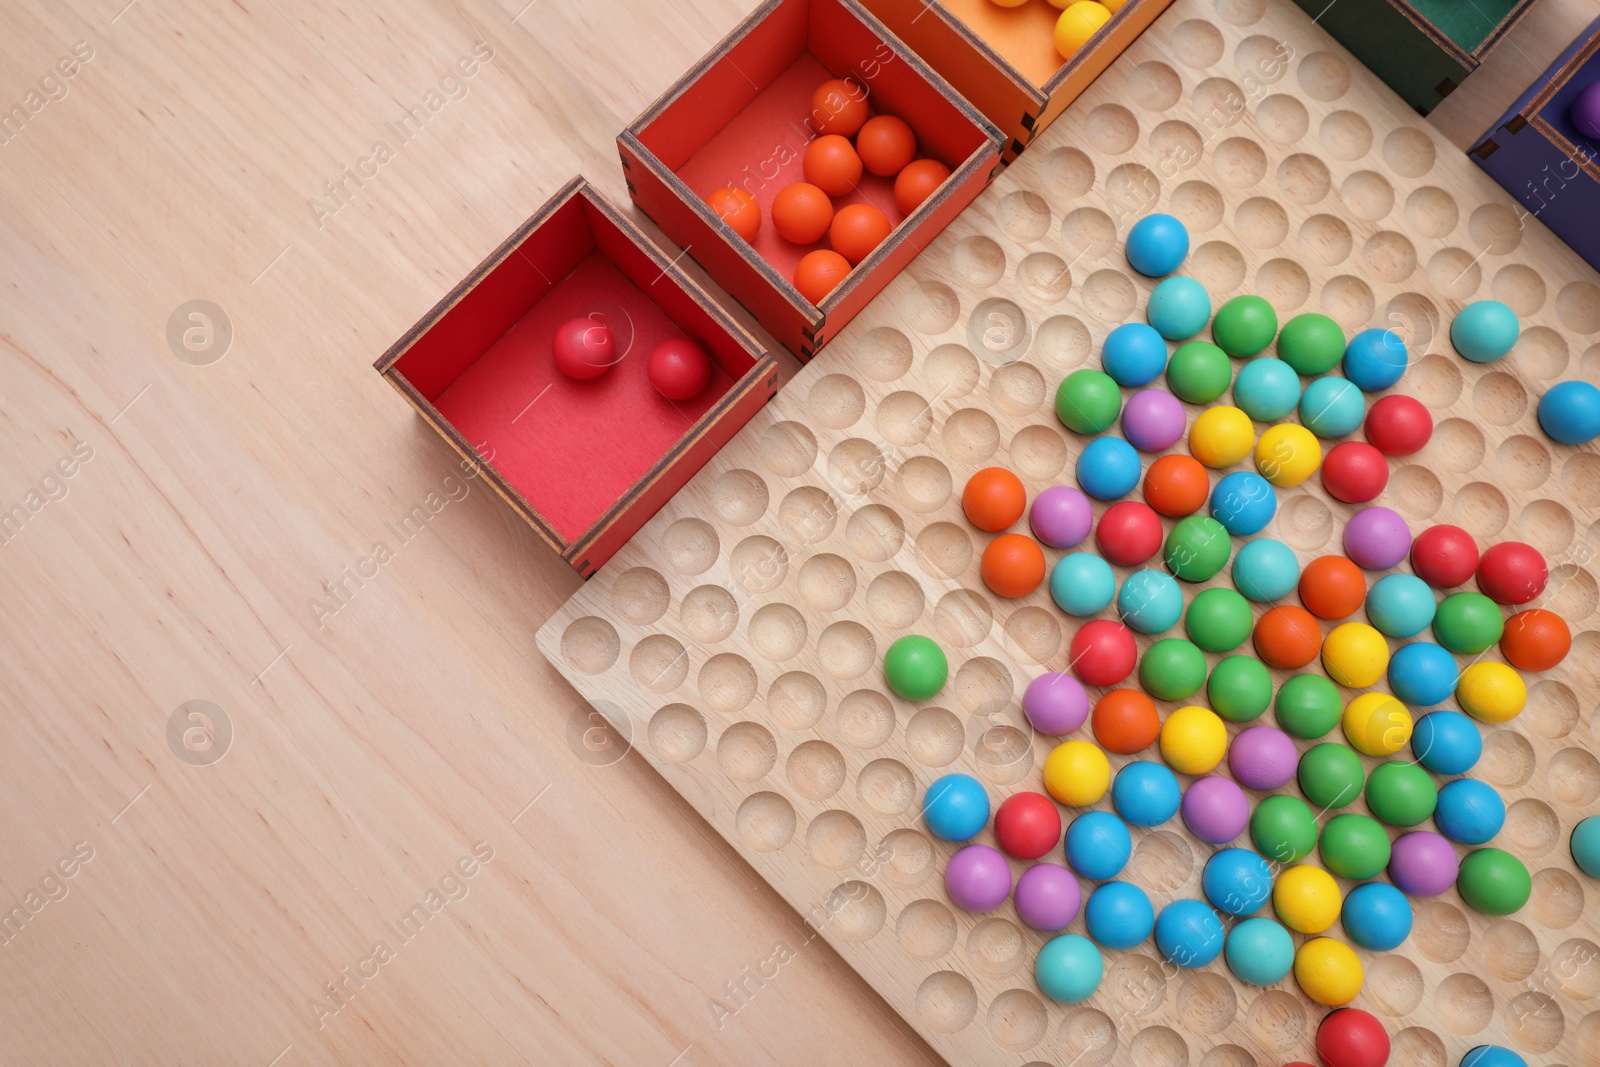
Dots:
{"x": 678, "y": 368}
{"x": 1351, "y": 1037}
{"x": 1354, "y": 472}
{"x": 1102, "y": 652}
{"x": 1398, "y": 425}
{"x": 1512, "y": 573}
{"x": 583, "y": 348}
{"x": 1027, "y": 825}
{"x": 1129, "y": 533}
{"x": 1444, "y": 556}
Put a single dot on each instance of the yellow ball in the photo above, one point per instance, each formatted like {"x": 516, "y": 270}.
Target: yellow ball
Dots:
{"x": 1306, "y": 898}
{"x": 1328, "y": 971}
{"x": 1077, "y": 24}
{"x": 1077, "y": 773}
{"x": 1491, "y": 692}
{"x": 1009, "y": 3}
{"x": 1355, "y": 655}
{"x": 1221, "y": 436}
{"x": 1288, "y": 454}
{"x": 1376, "y": 724}
{"x": 1193, "y": 740}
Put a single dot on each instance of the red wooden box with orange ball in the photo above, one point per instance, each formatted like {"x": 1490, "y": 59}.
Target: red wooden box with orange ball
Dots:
{"x": 805, "y": 161}
{"x": 583, "y": 373}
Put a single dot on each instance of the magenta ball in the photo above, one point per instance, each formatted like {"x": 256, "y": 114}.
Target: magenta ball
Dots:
{"x": 1153, "y": 420}
{"x": 977, "y": 878}
{"x": 1055, "y": 704}
{"x": 1423, "y": 864}
{"x": 1048, "y": 897}
{"x": 1377, "y": 538}
{"x": 1585, "y": 113}
{"x": 1061, "y": 516}
{"x": 1215, "y": 810}
{"x": 1263, "y": 757}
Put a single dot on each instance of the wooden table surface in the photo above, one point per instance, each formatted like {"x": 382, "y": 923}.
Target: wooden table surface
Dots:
{"x": 392, "y": 833}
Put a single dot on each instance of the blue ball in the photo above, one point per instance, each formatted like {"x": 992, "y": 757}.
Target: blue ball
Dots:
{"x": 1492, "y": 1056}
{"x": 1266, "y": 570}
{"x": 1332, "y": 407}
{"x": 1134, "y": 354}
{"x": 1179, "y": 308}
{"x": 1098, "y": 845}
{"x": 1266, "y": 389}
{"x": 1375, "y": 359}
{"x": 1068, "y": 968}
{"x": 1119, "y": 915}
{"x": 1146, "y": 793}
{"x": 1244, "y": 502}
{"x": 1150, "y": 601}
{"x": 1189, "y": 933}
{"x": 1469, "y": 811}
{"x": 1586, "y": 846}
{"x": 1081, "y": 583}
{"x": 1157, "y": 245}
{"x": 1108, "y": 468}
{"x": 1484, "y": 331}
{"x": 1260, "y": 951}
{"x": 1446, "y": 742}
{"x": 1570, "y": 413}
{"x": 955, "y": 807}
{"x": 1237, "y": 881}
{"x": 1400, "y": 605}
{"x": 1377, "y": 916}
{"x": 1422, "y": 674}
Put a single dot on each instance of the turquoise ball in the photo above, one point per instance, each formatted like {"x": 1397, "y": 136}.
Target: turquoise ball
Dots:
{"x": 1586, "y": 846}
{"x": 1068, "y": 968}
{"x": 1332, "y": 407}
{"x": 1266, "y": 570}
{"x": 1484, "y": 331}
{"x": 1260, "y": 951}
{"x": 1081, "y": 584}
{"x": 1266, "y": 389}
{"x": 1179, "y": 308}
{"x": 1150, "y": 601}
{"x": 1401, "y": 605}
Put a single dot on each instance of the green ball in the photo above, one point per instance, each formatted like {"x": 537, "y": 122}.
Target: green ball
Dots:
{"x": 1354, "y": 847}
{"x": 1283, "y": 829}
{"x": 1244, "y": 326}
{"x": 1172, "y": 669}
{"x": 1467, "y": 623}
{"x": 1199, "y": 372}
{"x": 1311, "y": 343}
{"x": 1219, "y": 620}
{"x": 1493, "y": 881}
{"x": 1240, "y": 688}
{"x": 1088, "y": 401}
{"x": 1197, "y": 548}
{"x": 1309, "y": 706}
{"x": 1401, "y": 794}
{"x": 915, "y": 667}
{"x": 1331, "y": 775}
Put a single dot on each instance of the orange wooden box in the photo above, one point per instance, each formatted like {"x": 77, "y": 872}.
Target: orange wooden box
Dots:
{"x": 586, "y": 463}
{"x": 739, "y": 118}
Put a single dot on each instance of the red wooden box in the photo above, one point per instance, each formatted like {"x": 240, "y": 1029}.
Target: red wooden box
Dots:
{"x": 739, "y": 118}
{"x": 585, "y": 462}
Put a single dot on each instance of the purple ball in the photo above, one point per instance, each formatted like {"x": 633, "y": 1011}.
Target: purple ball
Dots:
{"x": 1048, "y": 897}
{"x": 1061, "y": 516}
{"x": 1377, "y": 538}
{"x": 1585, "y": 113}
{"x": 977, "y": 878}
{"x": 1153, "y": 420}
{"x": 1263, "y": 757}
{"x": 1215, "y": 809}
{"x": 1423, "y": 864}
{"x": 1055, "y": 704}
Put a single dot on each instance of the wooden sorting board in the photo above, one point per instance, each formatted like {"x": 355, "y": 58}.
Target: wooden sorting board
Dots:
{"x": 737, "y": 640}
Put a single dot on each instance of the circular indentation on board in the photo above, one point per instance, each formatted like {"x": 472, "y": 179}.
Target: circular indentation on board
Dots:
{"x": 1416, "y": 491}
{"x": 1067, "y": 173}
{"x": 739, "y": 497}
{"x": 765, "y": 822}
{"x": 1161, "y": 861}
{"x": 1547, "y": 526}
{"x": 1431, "y": 211}
{"x": 926, "y": 929}
{"x": 1346, "y": 135}
{"x": 1481, "y": 509}
{"x": 1463, "y": 1003}
{"x": 1158, "y": 1046}
{"x": 1409, "y": 152}
{"x": 1111, "y": 129}
{"x": 1390, "y": 256}
{"x": 1017, "y": 389}
{"x": 1441, "y": 931}
{"x": 996, "y": 947}
{"x": 1367, "y": 195}
{"x": 677, "y": 733}
{"x": 846, "y": 650}
{"x": 858, "y": 911}
{"x": 951, "y": 371}
{"x": 1155, "y": 86}
{"x": 1325, "y": 239}
{"x": 1575, "y": 968}
{"x": 1061, "y": 343}
{"x": 1541, "y": 352}
{"x": 894, "y": 600}
{"x": 1033, "y": 634}
{"x": 1228, "y": 1056}
{"x": 807, "y": 514}
{"x": 1284, "y": 284}
{"x": 1239, "y": 162}
{"x": 931, "y": 307}
{"x": 1508, "y": 759}
{"x": 1198, "y": 205}
{"x": 1277, "y": 1020}
{"x": 864, "y": 719}
{"x": 1240, "y": 12}
{"x": 826, "y": 581}
{"x": 1087, "y": 233}
{"x": 1132, "y": 189}
{"x": 1578, "y": 306}
{"x": 904, "y": 418}
{"x": 708, "y": 614}
{"x": 934, "y": 737}
{"x": 1416, "y": 1046}
{"x": 815, "y": 770}
{"x": 1510, "y": 951}
{"x": 1557, "y": 898}
{"x": 1457, "y": 445}
{"x": 1017, "y": 1019}
{"x": 1580, "y": 479}
{"x": 883, "y": 354}
{"x": 777, "y": 633}
{"x": 835, "y": 840}
{"x": 1500, "y": 398}
{"x": 998, "y": 331}
{"x": 886, "y": 786}
{"x": 1534, "y": 1021}
{"x": 1324, "y": 76}
{"x": 1003, "y": 753}
{"x": 1135, "y": 984}
{"x": 1087, "y": 1038}
{"x": 970, "y": 435}
{"x": 1260, "y": 58}
{"x": 659, "y": 663}
{"x": 1197, "y": 43}
{"x": 1044, "y": 277}
{"x": 1218, "y": 266}
{"x": 1523, "y": 462}
{"x": 758, "y": 564}
{"x": 796, "y": 700}
{"x": 787, "y": 449}
{"x": 1394, "y": 985}
{"x": 640, "y": 596}
{"x": 1573, "y": 596}
{"x": 727, "y": 680}
{"x": 943, "y": 549}
{"x": 1415, "y": 320}
{"x": 983, "y": 684}
{"x": 746, "y": 752}
{"x": 1305, "y": 522}
{"x": 1038, "y": 452}
{"x": 1574, "y": 776}
{"x": 1518, "y": 287}
{"x": 977, "y": 262}
{"x": 1206, "y": 1002}
{"x": 874, "y": 533}
{"x": 946, "y": 1003}
{"x": 1552, "y": 709}
{"x": 1220, "y": 100}
{"x": 1283, "y": 118}
{"x": 1436, "y": 381}
{"x": 1109, "y": 295}
{"x": 905, "y": 857}
{"x": 835, "y": 401}
{"x": 1348, "y": 301}
{"x": 1455, "y": 272}
{"x": 1495, "y": 228}
{"x": 1024, "y": 216}
{"x": 590, "y": 644}
{"x": 691, "y": 546}
{"x": 923, "y": 483}
{"x": 1177, "y": 145}
{"x": 857, "y": 466}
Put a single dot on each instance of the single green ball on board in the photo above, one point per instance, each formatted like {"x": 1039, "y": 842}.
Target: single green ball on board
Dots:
{"x": 1493, "y": 881}
{"x": 1311, "y": 343}
{"x": 1172, "y": 669}
{"x": 1309, "y": 706}
{"x": 1197, "y": 548}
{"x": 1199, "y": 372}
{"x": 1354, "y": 847}
{"x": 1240, "y": 688}
{"x": 1244, "y": 326}
{"x": 915, "y": 667}
{"x": 1219, "y": 619}
{"x": 1468, "y": 623}
{"x": 1283, "y": 828}
{"x": 1401, "y": 794}
{"x": 1088, "y": 401}
{"x": 1331, "y": 775}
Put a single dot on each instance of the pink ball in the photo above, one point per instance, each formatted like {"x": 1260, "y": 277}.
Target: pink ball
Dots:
{"x": 1061, "y": 516}
{"x": 1263, "y": 757}
{"x": 1215, "y": 809}
{"x": 1377, "y": 538}
{"x": 977, "y": 878}
{"x": 583, "y": 349}
{"x": 1423, "y": 864}
{"x": 1048, "y": 897}
{"x": 678, "y": 368}
{"x": 1055, "y": 704}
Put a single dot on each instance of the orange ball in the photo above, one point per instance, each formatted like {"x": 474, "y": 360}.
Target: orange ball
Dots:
{"x": 993, "y": 499}
{"x": 738, "y": 209}
{"x": 831, "y": 164}
{"x": 1125, "y": 722}
{"x": 916, "y": 182}
{"x": 818, "y": 273}
{"x": 801, "y": 213}
{"x": 1176, "y": 485}
{"x": 1535, "y": 640}
{"x": 1012, "y": 565}
{"x": 1287, "y": 637}
{"x": 838, "y": 106}
{"x": 886, "y": 144}
{"x": 857, "y": 229}
{"x": 1332, "y": 587}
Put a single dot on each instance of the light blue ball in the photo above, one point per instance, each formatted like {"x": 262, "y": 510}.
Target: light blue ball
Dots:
{"x": 1179, "y": 308}
{"x": 1570, "y": 413}
{"x": 1146, "y": 793}
{"x": 1266, "y": 389}
{"x": 1332, "y": 408}
{"x": 1265, "y": 570}
{"x": 955, "y": 807}
{"x": 1157, "y": 245}
{"x": 1469, "y": 811}
{"x": 1119, "y": 915}
{"x": 1377, "y": 916}
{"x": 1586, "y": 846}
{"x": 1244, "y": 502}
{"x": 1237, "y": 881}
{"x": 1150, "y": 601}
{"x": 1447, "y": 742}
{"x": 1134, "y": 354}
{"x": 1189, "y": 933}
{"x": 1484, "y": 331}
{"x": 1081, "y": 584}
{"x": 1400, "y": 605}
{"x": 1260, "y": 951}
{"x": 1108, "y": 468}
{"x": 1098, "y": 845}
{"x": 1375, "y": 359}
{"x": 1492, "y": 1056}
{"x": 1068, "y": 968}
{"x": 1422, "y": 674}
